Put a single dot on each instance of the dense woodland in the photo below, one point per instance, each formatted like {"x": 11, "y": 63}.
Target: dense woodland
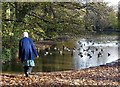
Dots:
{"x": 50, "y": 20}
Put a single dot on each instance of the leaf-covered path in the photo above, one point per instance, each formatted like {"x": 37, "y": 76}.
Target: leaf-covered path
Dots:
{"x": 102, "y": 75}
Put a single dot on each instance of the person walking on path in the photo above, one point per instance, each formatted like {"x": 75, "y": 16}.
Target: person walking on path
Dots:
{"x": 27, "y": 53}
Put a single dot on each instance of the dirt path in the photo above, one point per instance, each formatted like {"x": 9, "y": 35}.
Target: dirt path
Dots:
{"x": 103, "y": 75}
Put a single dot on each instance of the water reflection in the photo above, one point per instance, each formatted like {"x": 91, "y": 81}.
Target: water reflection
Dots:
{"x": 89, "y": 53}
{"x": 46, "y": 63}
{"x": 56, "y": 62}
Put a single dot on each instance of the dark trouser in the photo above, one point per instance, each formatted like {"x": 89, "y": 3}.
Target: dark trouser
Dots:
{"x": 27, "y": 70}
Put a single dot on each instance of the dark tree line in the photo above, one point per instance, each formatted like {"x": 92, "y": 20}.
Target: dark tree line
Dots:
{"x": 50, "y": 20}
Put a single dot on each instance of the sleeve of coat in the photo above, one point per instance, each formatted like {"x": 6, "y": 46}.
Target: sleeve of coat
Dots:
{"x": 33, "y": 48}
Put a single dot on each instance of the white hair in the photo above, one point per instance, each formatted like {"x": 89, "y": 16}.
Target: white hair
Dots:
{"x": 25, "y": 34}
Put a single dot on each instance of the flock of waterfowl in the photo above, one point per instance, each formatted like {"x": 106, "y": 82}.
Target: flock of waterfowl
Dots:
{"x": 89, "y": 53}
{"x": 91, "y": 47}
{"x": 88, "y": 48}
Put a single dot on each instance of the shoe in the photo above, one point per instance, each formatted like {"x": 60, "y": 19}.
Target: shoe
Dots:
{"x": 26, "y": 74}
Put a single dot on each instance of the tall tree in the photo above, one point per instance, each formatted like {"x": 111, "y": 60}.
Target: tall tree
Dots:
{"x": 49, "y": 20}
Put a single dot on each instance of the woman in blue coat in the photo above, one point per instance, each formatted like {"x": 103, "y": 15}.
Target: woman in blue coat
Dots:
{"x": 27, "y": 53}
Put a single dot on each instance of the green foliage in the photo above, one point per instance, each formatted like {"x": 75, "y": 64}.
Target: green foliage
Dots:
{"x": 6, "y": 54}
{"x": 60, "y": 18}
{"x": 101, "y": 17}
{"x": 49, "y": 20}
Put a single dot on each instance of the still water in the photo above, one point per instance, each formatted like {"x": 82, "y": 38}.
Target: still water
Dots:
{"x": 91, "y": 53}
{"x": 85, "y": 54}
{"x": 53, "y": 61}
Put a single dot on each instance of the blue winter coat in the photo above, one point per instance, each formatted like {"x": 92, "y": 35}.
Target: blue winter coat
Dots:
{"x": 27, "y": 50}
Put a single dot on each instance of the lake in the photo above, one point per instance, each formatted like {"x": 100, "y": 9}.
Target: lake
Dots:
{"x": 86, "y": 53}
{"x": 90, "y": 53}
